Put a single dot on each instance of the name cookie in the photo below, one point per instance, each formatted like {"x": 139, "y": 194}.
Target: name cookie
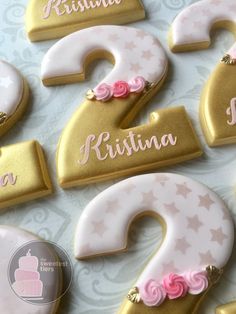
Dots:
{"x": 14, "y": 96}
{"x": 191, "y": 30}
{"x": 47, "y": 19}
{"x": 98, "y": 142}
{"x": 23, "y": 174}
{"x": 198, "y": 242}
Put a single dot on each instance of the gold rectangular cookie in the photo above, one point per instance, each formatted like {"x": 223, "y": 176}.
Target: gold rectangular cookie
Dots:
{"x": 49, "y": 19}
{"x": 23, "y": 174}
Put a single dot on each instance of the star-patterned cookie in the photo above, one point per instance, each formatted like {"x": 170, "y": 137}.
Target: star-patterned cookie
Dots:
{"x": 198, "y": 237}
{"x": 99, "y": 142}
{"x": 191, "y": 30}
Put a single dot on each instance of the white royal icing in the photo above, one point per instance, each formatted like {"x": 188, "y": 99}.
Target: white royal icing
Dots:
{"x": 199, "y": 233}
{"x": 11, "y": 239}
{"x": 127, "y": 45}
{"x": 194, "y": 23}
{"x": 11, "y": 88}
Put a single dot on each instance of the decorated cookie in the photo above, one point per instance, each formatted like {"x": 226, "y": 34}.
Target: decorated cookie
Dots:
{"x": 47, "y": 19}
{"x": 199, "y": 237}
{"x": 190, "y": 31}
{"x": 11, "y": 239}
{"x": 14, "y": 95}
{"x": 23, "y": 174}
{"x": 98, "y": 142}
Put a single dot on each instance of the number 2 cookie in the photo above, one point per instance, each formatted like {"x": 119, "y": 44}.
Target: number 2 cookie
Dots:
{"x": 47, "y": 19}
{"x": 98, "y": 143}
{"x": 198, "y": 239}
{"x": 191, "y": 30}
{"x": 14, "y": 95}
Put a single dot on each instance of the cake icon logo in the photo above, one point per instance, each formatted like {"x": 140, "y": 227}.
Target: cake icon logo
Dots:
{"x": 27, "y": 278}
{"x": 40, "y": 272}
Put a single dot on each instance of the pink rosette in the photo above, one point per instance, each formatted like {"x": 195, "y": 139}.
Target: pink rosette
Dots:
{"x": 121, "y": 89}
{"x": 196, "y": 281}
{"x": 152, "y": 294}
{"x": 103, "y": 92}
{"x": 137, "y": 85}
{"x": 175, "y": 286}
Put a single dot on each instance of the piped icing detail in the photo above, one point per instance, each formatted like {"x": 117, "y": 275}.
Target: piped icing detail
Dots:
{"x": 173, "y": 286}
{"x": 120, "y": 89}
{"x": 137, "y": 84}
{"x": 103, "y": 92}
{"x": 153, "y": 293}
{"x": 196, "y": 281}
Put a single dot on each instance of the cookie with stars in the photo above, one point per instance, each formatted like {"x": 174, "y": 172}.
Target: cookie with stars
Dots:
{"x": 198, "y": 239}
{"x": 14, "y": 96}
{"x": 191, "y": 30}
{"x": 99, "y": 142}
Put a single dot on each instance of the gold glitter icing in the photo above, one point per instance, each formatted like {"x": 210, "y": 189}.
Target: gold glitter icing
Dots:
{"x": 214, "y": 274}
{"x": 90, "y": 94}
{"x": 133, "y": 295}
{"x": 3, "y": 117}
{"x": 227, "y": 59}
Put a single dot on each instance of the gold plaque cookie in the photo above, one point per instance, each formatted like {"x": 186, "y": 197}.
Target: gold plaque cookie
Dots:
{"x": 14, "y": 96}
{"x": 98, "y": 142}
{"x": 23, "y": 174}
{"x": 47, "y": 19}
{"x": 190, "y": 31}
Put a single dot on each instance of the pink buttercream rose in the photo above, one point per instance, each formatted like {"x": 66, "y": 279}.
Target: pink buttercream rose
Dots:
{"x": 175, "y": 286}
{"x": 196, "y": 281}
{"x": 137, "y": 85}
{"x": 152, "y": 293}
{"x": 103, "y": 92}
{"x": 121, "y": 89}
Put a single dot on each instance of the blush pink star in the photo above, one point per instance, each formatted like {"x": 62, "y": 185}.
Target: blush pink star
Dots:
{"x": 205, "y": 201}
{"x": 183, "y": 190}
{"x": 99, "y": 228}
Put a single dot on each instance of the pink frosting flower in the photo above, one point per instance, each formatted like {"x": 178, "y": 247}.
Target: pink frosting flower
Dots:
{"x": 175, "y": 286}
{"x": 121, "y": 89}
{"x": 137, "y": 85}
{"x": 152, "y": 294}
{"x": 103, "y": 92}
{"x": 196, "y": 281}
